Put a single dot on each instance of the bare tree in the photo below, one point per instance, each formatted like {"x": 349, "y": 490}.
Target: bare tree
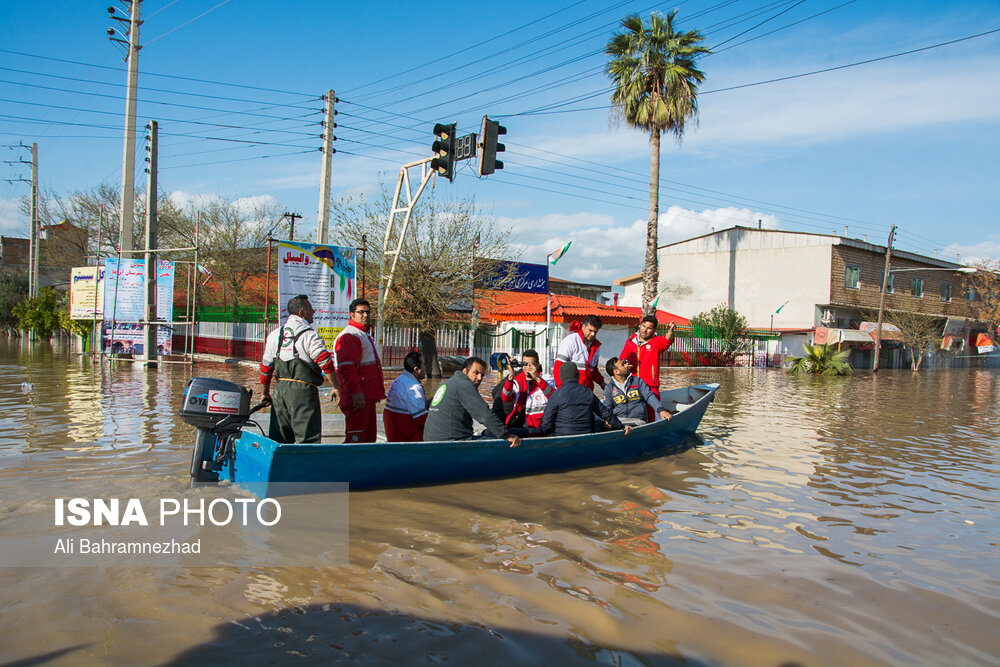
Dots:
{"x": 233, "y": 242}
{"x": 985, "y": 285}
{"x": 918, "y": 331}
{"x": 451, "y": 248}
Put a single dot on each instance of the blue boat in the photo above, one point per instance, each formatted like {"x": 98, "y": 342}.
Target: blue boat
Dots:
{"x": 257, "y": 463}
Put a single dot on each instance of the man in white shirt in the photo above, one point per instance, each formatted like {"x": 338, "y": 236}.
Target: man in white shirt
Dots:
{"x": 296, "y": 357}
{"x": 406, "y": 404}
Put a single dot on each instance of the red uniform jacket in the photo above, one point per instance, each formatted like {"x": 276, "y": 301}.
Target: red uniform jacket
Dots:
{"x": 646, "y": 360}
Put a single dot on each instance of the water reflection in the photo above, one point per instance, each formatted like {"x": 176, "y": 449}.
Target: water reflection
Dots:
{"x": 820, "y": 520}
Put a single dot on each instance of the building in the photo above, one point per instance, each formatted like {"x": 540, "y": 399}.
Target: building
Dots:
{"x": 589, "y": 291}
{"x": 519, "y": 318}
{"x": 800, "y": 281}
{"x": 63, "y": 246}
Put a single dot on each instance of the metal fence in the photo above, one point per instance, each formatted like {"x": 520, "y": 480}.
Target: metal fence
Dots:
{"x": 705, "y": 346}
{"x": 246, "y": 340}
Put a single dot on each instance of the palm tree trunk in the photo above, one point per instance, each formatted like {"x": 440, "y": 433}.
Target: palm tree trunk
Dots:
{"x": 651, "y": 272}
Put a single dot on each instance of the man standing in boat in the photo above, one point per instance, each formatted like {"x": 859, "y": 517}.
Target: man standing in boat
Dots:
{"x": 406, "y": 404}
{"x": 296, "y": 357}
{"x": 581, "y": 347}
{"x": 457, "y": 402}
{"x": 643, "y": 351}
{"x": 359, "y": 371}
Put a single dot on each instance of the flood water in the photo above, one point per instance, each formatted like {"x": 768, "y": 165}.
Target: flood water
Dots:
{"x": 818, "y": 521}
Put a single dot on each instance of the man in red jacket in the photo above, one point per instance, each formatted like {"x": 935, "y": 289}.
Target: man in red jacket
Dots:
{"x": 359, "y": 372}
{"x": 643, "y": 351}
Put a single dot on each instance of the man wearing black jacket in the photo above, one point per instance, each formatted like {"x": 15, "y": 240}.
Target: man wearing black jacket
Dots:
{"x": 457, "y": 402}
{"x": 575, "y": 409}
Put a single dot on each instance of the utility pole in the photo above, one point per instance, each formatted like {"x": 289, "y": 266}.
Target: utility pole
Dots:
{"x": 881, "y": 301}
{"x": 35, "y": 243}
{"x": 323, "y": 220}
{"x": 33, "y": 232}
{"x": 127, "y": 224}
{"x": 149, "y": 307}
{"x": 291, "y": 229}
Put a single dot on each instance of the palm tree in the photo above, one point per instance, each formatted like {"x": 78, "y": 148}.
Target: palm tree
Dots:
{"x": 821, "y": 360}
{"x": 652, "y": 69}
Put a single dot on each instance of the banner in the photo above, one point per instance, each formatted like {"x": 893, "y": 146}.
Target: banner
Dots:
{"x": 324, "y": 273}
{"x": 124, "y": 300}
{"x": 86, "y": 292}
{"x": 516, "y": 277}
{"x": 953, "y": 326}
{"x": 984, "y": 345}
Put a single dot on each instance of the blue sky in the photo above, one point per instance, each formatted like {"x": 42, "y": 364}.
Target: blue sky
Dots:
{"x": 912, "y": 140}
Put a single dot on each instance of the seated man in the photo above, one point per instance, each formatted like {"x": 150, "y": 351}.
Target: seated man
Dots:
{"x": 525, "y": 394}
{"x": 628, "y": 395}
{"x": 406, "y": 404}
{"x": 572, "y": 409}
{"x": 457, "y": 402}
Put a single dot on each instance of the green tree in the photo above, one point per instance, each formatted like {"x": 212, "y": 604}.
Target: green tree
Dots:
{"x": 13, "y": 292}
{"x": 821, "y": 360}
{"x": 81, "y": 328}
{"x": 724, "y": 323}
{"x": 40, "y": 314}
{"x": 652, "y": 69}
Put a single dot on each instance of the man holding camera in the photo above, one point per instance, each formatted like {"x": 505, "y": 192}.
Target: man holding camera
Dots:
{"x": 525, "y": 393}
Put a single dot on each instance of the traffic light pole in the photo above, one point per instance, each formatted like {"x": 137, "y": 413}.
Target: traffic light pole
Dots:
{"x": 396, "y": 237}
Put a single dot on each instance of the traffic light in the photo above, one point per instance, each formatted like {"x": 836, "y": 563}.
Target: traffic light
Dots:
{"x": 444, "y": 150}
{"x": 488, "y": 162}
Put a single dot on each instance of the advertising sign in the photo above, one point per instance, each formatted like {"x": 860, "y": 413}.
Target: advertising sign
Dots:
{"x": 984, "y": 345}
{"x": 516, "y": 277}
{"x": 324, "y": 273}
{"x": 86, "y": 292}
{"x": 124, "y": 296}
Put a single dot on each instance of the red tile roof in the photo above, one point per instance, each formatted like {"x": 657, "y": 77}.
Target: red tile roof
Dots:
{"x": 518, "y": 306}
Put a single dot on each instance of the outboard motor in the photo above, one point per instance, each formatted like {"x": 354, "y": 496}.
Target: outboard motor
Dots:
{"x": 219, "y": 409}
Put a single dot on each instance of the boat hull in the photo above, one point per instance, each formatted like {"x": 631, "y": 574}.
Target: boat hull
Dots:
{"x": 260, "y": 462}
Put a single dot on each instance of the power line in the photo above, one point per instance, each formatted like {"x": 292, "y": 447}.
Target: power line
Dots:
{"x": 171, "y": 120}
{"x": 148, "y": 101}
{"x": 155, "y": 39}
{"x": 165, "y": 76}
{"x": 155, "y": 90}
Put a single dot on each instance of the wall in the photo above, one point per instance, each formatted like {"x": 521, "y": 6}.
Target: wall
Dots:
{"x": 753, "y": 271}
{"x": 872, "y": 266}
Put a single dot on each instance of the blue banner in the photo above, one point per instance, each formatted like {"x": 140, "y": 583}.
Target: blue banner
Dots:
{"x": 516, "y": 277}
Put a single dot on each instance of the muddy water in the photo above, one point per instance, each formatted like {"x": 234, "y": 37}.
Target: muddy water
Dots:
{"x": 820, "y": 521}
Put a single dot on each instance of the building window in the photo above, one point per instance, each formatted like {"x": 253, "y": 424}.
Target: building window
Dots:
{"x": 888, "y": 285}
{"x": 946, "y": 291}
{"x": 970, "y": 295}
{"x": 917, "y": 287}
{"x": 852, "y": 276}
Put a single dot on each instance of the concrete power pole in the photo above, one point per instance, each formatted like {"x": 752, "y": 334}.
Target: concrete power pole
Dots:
{"x": 323, "y": 220}
{"x": 292, "y": 217}
{"x": 149, "y": 307}
{"x": 881, "y": 301}
{"x": 127, "y": 227}
{"x": 35, "y": 242}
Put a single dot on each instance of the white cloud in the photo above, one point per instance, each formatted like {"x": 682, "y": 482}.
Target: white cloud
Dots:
{"x": 892, "y": 96}
{"x": 12, "y": 223}
{"x": 976, "y": 253}
{"x": 603, "y": 251}
{"x": 247, "y": 205}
